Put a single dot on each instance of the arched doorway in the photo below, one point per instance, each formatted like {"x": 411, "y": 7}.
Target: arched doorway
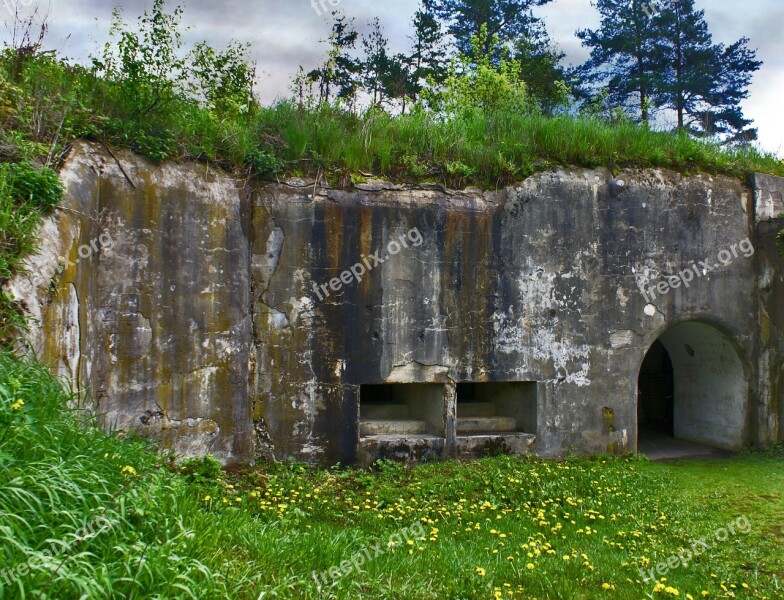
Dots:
{"x": 692, "y": 386}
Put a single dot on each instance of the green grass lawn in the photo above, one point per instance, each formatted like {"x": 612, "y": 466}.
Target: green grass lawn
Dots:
{"x": 87, "y": 515}
{"x": 505, "y": 527}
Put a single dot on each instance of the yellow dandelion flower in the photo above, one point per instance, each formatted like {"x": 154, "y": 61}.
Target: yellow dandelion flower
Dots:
{"x": 480, "y": 571}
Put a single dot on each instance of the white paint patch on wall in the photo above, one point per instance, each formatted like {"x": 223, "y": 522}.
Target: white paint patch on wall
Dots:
{"x": 514, "y": 335}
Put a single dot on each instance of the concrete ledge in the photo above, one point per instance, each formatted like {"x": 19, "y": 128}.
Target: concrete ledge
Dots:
{"x": 486, "y": 424}
{"x": 392, "y": 427}
{"x": 408, "y": 448}
{"x": 477, "y": 446}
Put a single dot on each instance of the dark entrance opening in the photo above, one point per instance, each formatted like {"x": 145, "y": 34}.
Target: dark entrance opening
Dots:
{"x": 656, "y": 393}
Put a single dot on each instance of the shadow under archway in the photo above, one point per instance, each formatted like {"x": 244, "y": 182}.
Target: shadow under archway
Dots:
{"x": 692, "y": 387}
{"x": 656, "y": 393}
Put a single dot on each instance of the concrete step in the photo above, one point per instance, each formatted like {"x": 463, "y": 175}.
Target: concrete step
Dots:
{"x": 385, "y": 410}
{"x": 398, "y": 427}
{"x": 492, "y": 444}
{"x": 476, "y": 409}
{"x": 485, "y": 424}
{"x": 405, "y": 448}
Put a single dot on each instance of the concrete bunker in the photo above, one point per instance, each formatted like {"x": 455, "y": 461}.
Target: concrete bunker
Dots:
{"x": 539, "y": 281}
{"x": 692, "y": 386}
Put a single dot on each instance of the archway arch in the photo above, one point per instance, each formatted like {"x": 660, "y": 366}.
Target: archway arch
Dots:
{"x": 692, "y": 385}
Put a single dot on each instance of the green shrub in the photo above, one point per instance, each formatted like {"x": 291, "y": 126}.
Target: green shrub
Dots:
{"x": 476, "y": 83}
{"x": 264, "y": 162}
{"x": 26, "y": 194}
{"x": 39, "y": 187}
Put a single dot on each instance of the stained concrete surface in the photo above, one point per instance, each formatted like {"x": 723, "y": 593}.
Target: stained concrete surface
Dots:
{"x": 200, "y": 326}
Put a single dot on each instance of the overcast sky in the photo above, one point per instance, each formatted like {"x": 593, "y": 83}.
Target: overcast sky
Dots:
{"x": 286, "y": 33}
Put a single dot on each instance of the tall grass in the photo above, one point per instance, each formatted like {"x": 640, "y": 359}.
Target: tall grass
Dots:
{"x": 55, "y": 102}
{"x": 493, "y": 149}
{"x": 85, "y": 514}
{"x": 26, "y": 194}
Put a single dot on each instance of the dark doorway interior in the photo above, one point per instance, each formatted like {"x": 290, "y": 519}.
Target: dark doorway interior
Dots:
{"x": 656, "y": 392}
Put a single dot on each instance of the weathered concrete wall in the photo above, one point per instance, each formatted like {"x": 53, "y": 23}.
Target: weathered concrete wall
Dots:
{"x": 154, "y": 328}
{"x": 533, "y": 283}
{"x": 217, "y": 321}
{"x": 769, "y": 220}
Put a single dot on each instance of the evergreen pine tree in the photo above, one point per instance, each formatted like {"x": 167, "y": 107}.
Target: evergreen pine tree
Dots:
{"x": 624, "y": 56}
{"x": 428, "y": 54}
{"x": 377, "y": 63}
{"x": 540, "y": 68}
{"x": 703, "y": 83}
{"x": 507, "y": 20}
{"x": 666, "y": 59}
{"x": 339, "y": 73}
